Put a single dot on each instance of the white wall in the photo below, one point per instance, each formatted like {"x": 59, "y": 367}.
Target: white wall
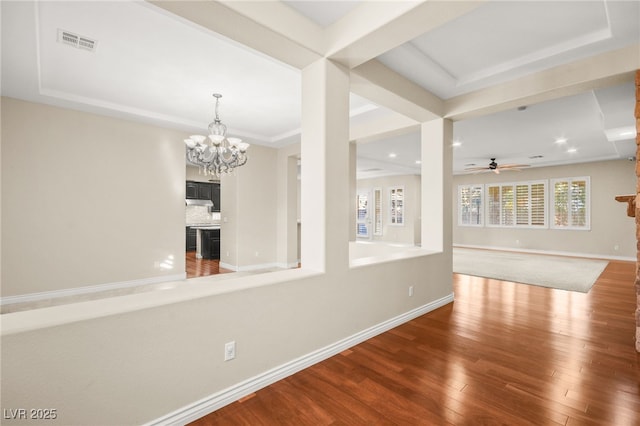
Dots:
{"x": 610, "y": 226}
{"x": 87, "y": 199}
{"x": 409, "y": 233}
{"x": 193, "y": 173}
{"x": 92, "y": 361}
{"x": 249, "y": 212}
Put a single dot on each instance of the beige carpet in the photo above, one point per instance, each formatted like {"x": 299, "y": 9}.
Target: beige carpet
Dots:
{"x": 564, "y": 273}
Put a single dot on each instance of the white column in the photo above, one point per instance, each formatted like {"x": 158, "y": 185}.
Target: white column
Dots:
{"x": 325, "y": 166}
{"x": 437, "y": 136}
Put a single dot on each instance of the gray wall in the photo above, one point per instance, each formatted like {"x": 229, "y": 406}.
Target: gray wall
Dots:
{"x": 610, "y": 226}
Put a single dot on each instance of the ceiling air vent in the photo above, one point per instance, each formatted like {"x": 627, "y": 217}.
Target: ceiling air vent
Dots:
{"x": 77, "y": 41}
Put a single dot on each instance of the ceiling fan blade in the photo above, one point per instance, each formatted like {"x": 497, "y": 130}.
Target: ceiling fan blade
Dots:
{"x": 513, "y": 166}
{"x": 471, "y": 169}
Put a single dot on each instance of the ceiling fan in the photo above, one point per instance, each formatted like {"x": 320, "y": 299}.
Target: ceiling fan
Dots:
{"x": 496, "y": 168}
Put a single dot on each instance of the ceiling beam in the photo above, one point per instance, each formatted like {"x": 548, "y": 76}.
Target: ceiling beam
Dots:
{"x": 384, "y": 127}
{"x": 385, "y": 87}
{"x": 374, "y": 28}
{"x": 283, "y": 20}
{"x": 598, "y": 71}
{"x": 268, "y": 27}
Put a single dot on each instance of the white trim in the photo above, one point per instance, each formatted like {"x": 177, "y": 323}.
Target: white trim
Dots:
{"x": 67, "y": 292}
{"x": 255, "y": 267}
{"x": 550, "y": 252}
{"x": 481, "y": 209}
{"x": 552, "y": 195}
{"x": 514, "y": 185}
{"x": 287, "y": 265}
{"x": 393, "y": 215}
{"x": 227, "y": 396}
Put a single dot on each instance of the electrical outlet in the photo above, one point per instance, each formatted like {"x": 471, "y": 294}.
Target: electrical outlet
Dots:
{"x": 229, "y": 351}
{"x": 410, "y": 291}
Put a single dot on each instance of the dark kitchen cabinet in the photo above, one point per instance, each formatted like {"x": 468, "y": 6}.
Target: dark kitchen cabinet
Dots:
{"x": 215, "y": 197}
{"x": 192, "y": 190}
{"x": 192, "y": 235}
{"x": 199, "y": 190}
{"x": 210, "y": 243}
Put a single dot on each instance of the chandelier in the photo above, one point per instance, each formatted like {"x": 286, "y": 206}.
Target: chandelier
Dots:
{"x": 216, "y": 154}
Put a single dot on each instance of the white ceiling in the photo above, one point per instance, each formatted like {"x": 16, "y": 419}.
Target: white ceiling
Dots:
{"x": 156, "y": 67}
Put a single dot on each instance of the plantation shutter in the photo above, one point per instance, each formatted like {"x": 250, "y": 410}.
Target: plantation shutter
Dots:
{"x": 538, "y": 204}
{"x": 493, "y": 205}
{"x": 571, "y": 203}
{"x": 377, "y": 211}
{"x": 507, "y": 205}
{"x": 561, "y": 201}
{"x": 578, "y": 203}
{"x": 470, "y": 205}
{"x": 522, "y": 204}
{"x": 476, "y": 205}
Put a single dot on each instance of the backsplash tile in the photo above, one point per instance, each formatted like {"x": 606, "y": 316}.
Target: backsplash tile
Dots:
{"x": 200, "y": 214}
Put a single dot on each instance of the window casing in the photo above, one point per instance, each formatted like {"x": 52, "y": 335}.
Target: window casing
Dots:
{"x": 470, "y": 205}
{"x": 571, "y": 203}
{"x": 519, "y": 204}
{"x": 396, "y": 205}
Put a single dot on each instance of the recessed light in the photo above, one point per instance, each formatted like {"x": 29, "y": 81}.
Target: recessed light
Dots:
{"x": 418, "y": 162}
{"x": 456, "y": 144}
{"x": 470, "y": 164}
{"x": 560, "y": 141}
{"x": 572, "y": 150}
{"x": 393, "y": 155}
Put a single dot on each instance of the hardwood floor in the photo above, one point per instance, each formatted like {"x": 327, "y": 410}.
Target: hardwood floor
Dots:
{"x": 501, "y": 353}
{"x": 202, "y": 267}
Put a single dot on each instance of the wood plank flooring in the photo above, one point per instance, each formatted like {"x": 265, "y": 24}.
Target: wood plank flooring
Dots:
{"x": 501, "y": 353}
{"x": 202, "y": 267}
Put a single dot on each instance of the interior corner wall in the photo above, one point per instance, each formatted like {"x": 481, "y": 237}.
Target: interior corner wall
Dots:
{"x": 409, "y": 233}
{"x": 87, "y": 199}
{"x": 612, "y": 233}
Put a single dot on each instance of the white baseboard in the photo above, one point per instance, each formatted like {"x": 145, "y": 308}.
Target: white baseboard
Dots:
{"x": 218, "y": 400}
{"x": 549, "y": 252}
{"x": 67, "y": 292}
{"x": 256, "y": 267}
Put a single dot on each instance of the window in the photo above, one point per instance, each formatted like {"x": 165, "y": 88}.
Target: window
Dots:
{"x": 377, "y": 211}
{"x": 520, "y": 204}
{"x": 470, "y": 205}
{"x": 362, "y": 219}
{"x": 396, "y": 203}
{"x": 571, "y": 203}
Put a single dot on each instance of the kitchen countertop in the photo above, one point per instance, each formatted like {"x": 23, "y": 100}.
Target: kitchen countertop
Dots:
{"x": 205, "y": 226}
